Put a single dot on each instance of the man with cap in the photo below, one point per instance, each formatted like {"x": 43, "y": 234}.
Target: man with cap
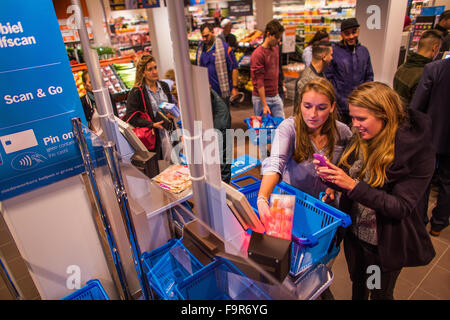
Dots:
{"x": 226, "y": 34}
{"x": 350, "y": 67}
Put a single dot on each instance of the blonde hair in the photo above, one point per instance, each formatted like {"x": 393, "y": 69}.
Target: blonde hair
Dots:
{"x": 304, "y": 148}
{"x": 378, "y": 153}
{"x": 140, "y": 69}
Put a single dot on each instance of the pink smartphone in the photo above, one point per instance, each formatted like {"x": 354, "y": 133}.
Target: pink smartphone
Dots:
{"x": 321, "y": 159}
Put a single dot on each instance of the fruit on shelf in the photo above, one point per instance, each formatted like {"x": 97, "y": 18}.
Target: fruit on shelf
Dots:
{"x": 79, "y": 83}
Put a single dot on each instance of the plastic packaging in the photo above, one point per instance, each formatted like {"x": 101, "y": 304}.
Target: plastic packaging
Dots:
{"x": 279, "y": 222}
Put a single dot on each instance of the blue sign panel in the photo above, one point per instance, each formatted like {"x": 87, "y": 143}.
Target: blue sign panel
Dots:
{"x": 38, "y": 99}
{"x": 150, "y": 3}
{"x": 432, "y": 11}
{"x": 243, "y": 164}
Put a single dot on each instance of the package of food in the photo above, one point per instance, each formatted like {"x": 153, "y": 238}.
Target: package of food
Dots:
{"x": 175, "y": 178}
{"x": 280, "y": 220}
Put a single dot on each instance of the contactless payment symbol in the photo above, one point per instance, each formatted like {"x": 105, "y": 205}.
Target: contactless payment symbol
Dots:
{"x": 18, "y": 141}
{"x": 27, "y": 160}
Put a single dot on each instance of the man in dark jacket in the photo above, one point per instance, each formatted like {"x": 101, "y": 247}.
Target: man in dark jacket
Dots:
{"x": 350, "y": 67}
{"x": 408, "y": 74}
{"x": 443, "y": 26}
{"x": 431, "y": 97}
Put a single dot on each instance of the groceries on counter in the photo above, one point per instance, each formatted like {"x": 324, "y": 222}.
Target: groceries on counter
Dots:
{"x": 175, "y": 178}
{"x": 281, "y": 218}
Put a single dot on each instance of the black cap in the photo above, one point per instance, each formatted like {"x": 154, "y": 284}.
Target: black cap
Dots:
{"x": 349, "y": 23}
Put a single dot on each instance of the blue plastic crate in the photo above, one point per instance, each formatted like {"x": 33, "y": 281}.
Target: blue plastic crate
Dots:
{"x": 265, "y": 134}
{"x": 93, "y": 290}
{"x": 167, "y": 266}
{"x": 315, "y": 224}
{"x": 220, "y": 280}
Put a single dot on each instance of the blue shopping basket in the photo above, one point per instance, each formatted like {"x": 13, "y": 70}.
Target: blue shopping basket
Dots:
{"x": 265, "y": 134}
{"x": 315, "y": 223}
{"x": 93, "y": 290}
{"x": 167, "y": 266}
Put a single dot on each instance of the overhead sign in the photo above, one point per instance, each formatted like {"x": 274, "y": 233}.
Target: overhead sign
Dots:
{"x": 38, "y": 99}
{"x": 150, "y": 3}
{"x": 241, "y": 8}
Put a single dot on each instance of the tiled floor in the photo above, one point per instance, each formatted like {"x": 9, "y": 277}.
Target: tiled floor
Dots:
{"x": 429, "y": 282}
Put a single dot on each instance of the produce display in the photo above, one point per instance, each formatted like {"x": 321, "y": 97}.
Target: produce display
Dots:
{"x": 110, "y": 79}
{"x": 126, "y": 72}
{"x": 252, "y": 38}
{"x": 79, "y": 82}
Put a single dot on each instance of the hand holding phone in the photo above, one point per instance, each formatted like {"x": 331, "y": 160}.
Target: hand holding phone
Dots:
{"x": 321, "y": 159}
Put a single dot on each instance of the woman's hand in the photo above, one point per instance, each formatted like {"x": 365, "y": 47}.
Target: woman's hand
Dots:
{"x": 329, "y": 195}
{"x": 335, "y": 175}
{"x": 158, "y": 125}
{"x": 263, "y": 209}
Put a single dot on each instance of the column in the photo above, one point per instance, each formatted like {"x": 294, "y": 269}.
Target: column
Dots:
{"x": 98, "y": 21}
{"x": 158, "y": 24}
{"x": 381, "y": 32}
{"x": 264, "y": 13}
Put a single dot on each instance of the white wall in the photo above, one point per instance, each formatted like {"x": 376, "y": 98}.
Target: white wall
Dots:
{"x": 264, "y": 13}
{"x": 384, "y": 40}
{"x": 96, "y": 17}
{"x": 54, "y": 229}
{"x": 158, "y": 24}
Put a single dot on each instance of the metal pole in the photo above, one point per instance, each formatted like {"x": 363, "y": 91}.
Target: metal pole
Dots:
{"x": 9, "y": 282}
{"x": 101, "y": 93}
{"x": 183, "y": 72}
{"x": 118, "y": 272}
{"x": 122, "y": 200}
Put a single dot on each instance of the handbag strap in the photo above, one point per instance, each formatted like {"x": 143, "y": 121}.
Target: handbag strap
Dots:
{"x": 145, "y": 106}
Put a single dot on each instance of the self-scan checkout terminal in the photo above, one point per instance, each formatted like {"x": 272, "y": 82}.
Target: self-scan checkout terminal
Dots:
{"x": 272, "y": 254}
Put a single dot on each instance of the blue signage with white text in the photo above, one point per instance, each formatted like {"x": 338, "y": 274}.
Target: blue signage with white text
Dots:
{"x": 38, "y": 99}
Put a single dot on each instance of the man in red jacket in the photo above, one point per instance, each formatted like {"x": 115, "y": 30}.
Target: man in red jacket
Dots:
{"x": 264, "y": 71}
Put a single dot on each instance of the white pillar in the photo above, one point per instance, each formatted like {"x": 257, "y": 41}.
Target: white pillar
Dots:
{"x": 264, "y": 13}
{"x": 98, "y": 22}
{"x": 159, "y": 29}
{"x": 381, "y": 32}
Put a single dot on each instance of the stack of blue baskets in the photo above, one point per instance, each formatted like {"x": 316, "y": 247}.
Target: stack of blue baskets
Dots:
{"x": 315, "y": 223}
{"x": 175, "y": 274}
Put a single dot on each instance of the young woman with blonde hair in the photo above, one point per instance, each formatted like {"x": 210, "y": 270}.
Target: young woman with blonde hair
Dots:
{"x": 383, "y": 175}
{"x": 314, "y": 129}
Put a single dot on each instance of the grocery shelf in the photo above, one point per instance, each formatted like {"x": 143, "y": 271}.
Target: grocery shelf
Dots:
{"x": 105, "y": 62}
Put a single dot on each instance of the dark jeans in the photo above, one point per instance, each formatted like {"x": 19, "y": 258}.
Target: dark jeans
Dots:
{"x": 226, "y": 155}
{"x": 441, "y": 212}
{"x": 360, "y": 255}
